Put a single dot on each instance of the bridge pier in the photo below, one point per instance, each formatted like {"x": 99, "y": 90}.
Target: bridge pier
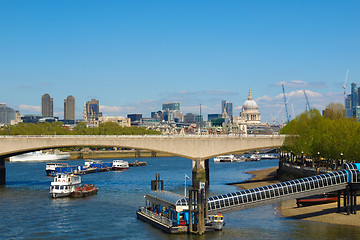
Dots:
{"x": 2, "y": 171}
{"x": 200, "y": 193}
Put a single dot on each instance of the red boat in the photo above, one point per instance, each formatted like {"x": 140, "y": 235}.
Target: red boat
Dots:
{"x": 317, "y": 199}
{"x": 86, "y": 190}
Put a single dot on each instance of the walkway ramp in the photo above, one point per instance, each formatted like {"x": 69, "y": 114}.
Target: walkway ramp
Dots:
{"x": 299, "y": 188}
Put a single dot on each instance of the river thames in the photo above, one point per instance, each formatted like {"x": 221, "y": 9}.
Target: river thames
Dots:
{"x": 27, "y": 211}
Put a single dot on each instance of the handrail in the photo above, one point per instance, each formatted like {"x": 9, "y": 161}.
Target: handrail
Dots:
{"x": 157, "y": 217}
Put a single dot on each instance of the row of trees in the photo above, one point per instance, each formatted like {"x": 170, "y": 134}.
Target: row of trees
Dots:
{"x": 332, "y": 136}
{"x": 57, "y": 128}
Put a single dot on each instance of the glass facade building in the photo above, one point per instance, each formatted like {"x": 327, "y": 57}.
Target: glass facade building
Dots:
{"x": 8, "y": 115}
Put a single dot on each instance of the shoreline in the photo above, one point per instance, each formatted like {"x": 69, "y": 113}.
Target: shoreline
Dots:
{"x": 325, "y": 213}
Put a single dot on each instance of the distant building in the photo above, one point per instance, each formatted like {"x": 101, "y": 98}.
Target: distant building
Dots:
{"x": 122, "y": 121}
{"x": 214, "y": 116}
{"x": 9, "y": 116}
{"x": 31, "y": 118}
{"x": 192, "y": 118}
{"x": 69, "y": 108}
{"x": 352, "y": 103}
{"x": 47, "y": 109}
{"x": 172, "y": 106}
{"x": 226, "y": 109}
{"x": 92, "y": 112}
{"x": 135, "y": 117}
{"x": 250, "y": 112}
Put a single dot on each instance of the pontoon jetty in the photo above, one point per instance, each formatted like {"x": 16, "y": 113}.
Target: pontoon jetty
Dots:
{"x": 171, "y": 213}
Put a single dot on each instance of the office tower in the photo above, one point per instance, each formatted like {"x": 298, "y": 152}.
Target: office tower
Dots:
{"x": 226, "y": 108}
{"x": 8, "y": 115}
{"x": 172, "y": 106}
{"x": 91, "y": 111}
{"x": 69, "y": 108}
{"x": 47, "y": 109}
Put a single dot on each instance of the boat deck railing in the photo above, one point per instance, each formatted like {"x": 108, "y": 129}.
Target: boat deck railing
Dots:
{"x": 157, "y": 217}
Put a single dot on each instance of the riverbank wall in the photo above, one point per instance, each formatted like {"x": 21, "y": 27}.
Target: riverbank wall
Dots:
{"x": 116, "y": 154}
{"x": 287, "y": 171}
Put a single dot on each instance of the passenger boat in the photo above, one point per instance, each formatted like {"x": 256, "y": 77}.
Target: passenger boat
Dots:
{"x": 39, "y": 156}
{"x": 50, "y": 167}
{"x": 317, "y": 199}
{"x": 119, "y": 165}
{"x": 64, "y": 184}
{"x": 170, "y": 212}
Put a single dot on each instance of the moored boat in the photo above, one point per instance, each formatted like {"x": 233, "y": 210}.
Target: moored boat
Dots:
{"x": 50, "y": 168}
{"x": 64, "y": 184}
{"x": 224, "y": 158}
{"x": 317, "y": 199}
{"x": 83, "y": 191}
{"x": 119, "y": 165}
{"x": 136, "y": 163}
{"x": 39, "y": 156}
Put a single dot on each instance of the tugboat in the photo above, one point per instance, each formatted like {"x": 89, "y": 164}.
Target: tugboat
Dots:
{"x": 65, "y": 185}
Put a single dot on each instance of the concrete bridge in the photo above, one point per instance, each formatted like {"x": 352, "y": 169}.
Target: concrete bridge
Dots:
{"x": 198, "y": 148}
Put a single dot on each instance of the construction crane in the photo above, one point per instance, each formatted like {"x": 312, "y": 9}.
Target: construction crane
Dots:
{"x": 286, "y": 110}
{"x": 307, "y": 101}
{"x": 344, "y": 87}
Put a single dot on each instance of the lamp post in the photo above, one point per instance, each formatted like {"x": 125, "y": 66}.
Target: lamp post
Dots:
{"x": 318, "y": 153}
{"x": 341, "y": 157}
{"x": 302, "y": 157}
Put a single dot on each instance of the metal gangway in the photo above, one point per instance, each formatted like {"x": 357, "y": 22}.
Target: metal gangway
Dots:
{"x": 274, "y": 193}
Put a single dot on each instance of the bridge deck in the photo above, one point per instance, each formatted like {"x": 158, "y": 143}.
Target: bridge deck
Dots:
{"x": 279, "y": 192}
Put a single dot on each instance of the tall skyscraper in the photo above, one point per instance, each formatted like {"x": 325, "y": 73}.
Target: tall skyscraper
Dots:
{"x": 92, "y": 111}
{"x": 69, "y": 108}
{"x": 47, "y": 109}
{"x": 226, "y": 108}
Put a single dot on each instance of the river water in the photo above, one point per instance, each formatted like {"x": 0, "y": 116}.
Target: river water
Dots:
{"x": 27, "y": 211}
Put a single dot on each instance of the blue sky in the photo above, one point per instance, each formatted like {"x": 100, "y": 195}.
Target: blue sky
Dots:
{"x": 134, "y": 55}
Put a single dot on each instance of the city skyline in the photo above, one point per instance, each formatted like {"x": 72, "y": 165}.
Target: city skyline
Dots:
{"x": 135, "y": 57}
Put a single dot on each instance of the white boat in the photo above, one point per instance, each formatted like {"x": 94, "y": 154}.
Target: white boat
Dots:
{"x": 50, "y": 167}
{"x": 91, "y": 161}
{"x": 239, "y": 159}
{"x": 224, "y": 158}
{"x": 64, "y": 184}
{"x": 269, "y": 156}
{"x": 40, "y": 156}
{"x": 254, "y": 157}
{"x": 120, "y": 165}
